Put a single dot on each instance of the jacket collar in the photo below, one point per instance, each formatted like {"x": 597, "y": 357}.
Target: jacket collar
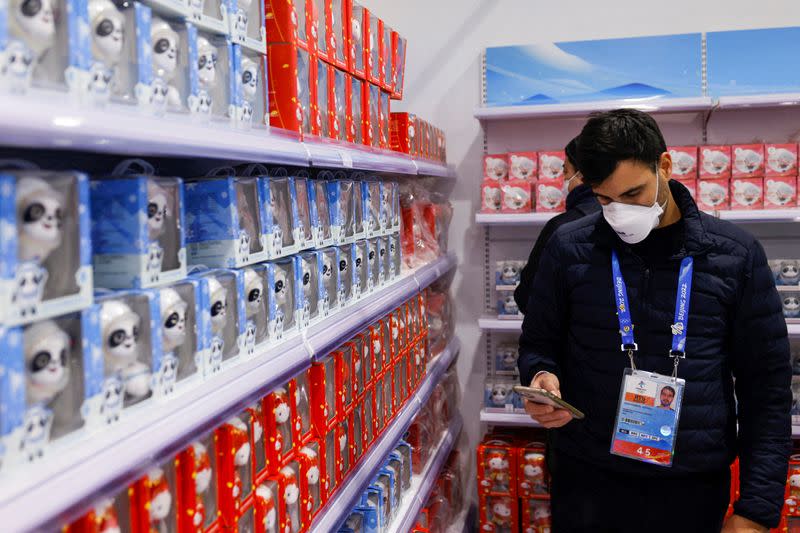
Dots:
{"x": 696, "y": 240}
{"x": 581, "y": 197}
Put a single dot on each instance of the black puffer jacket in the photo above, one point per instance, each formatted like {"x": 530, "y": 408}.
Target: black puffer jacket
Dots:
{"x": 735, "y": 330}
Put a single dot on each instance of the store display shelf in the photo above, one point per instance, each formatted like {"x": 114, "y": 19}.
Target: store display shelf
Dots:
{"x": 503, "y": 219}
{"x": 57, "y": 123}
{"x": 795, "y": 432}
{"x": 579, "y": 109}
{"x": 406, "y": 515}
{"x": 433, "y": 168}
{"x": 502, "y": 417}
{"x": 794, "y": 328}
{"x": 100, "y": 463}
{"x": 490, "y": 323}
{"x": 338, "y": 508}
{"x": 758, "y": 101}
{"x": 762, "y": 215}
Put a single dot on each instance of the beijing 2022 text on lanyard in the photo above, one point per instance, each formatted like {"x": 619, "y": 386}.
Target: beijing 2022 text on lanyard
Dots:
{"x": 650, "y": 404}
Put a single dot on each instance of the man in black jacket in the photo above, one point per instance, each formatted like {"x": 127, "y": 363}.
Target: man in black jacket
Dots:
{"x": 572, "y": 345}
{"x": 580, "y": 202}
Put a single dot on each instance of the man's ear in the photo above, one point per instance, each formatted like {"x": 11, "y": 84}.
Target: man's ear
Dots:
{"x": 665, "y": 164}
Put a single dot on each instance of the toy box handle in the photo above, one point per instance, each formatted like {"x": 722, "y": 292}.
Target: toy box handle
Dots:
{"x": 17, "y": 164}
{"x": 133, "y": 166}
{"x": 254, "y": 169}
{"x": 222, "y": 171}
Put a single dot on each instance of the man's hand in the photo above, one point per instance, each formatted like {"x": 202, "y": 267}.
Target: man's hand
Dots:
{"x": 546, "y": 415}
{"x": 740, "y": 524}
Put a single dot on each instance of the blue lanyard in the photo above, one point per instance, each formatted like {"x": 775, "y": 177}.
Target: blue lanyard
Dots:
{"x": 678, "y": 328}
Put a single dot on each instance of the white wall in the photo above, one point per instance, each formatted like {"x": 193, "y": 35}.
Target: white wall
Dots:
{"x": 446, "y": 38}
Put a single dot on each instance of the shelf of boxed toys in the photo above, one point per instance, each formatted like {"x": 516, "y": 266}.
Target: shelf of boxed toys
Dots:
{"x": 579, "y": 109}
{"x": 338, "y": 507}
{"x": 103, "y": 461}
{"x": 537, "y": 219}
{"x": 57, "y": 123}
{"x": 515, "y": 325}
{"x": 504, "y": 417}
{"x": 421, "y": 486}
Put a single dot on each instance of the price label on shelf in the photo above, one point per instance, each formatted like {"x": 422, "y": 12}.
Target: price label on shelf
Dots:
{"x": 347, "y": 159}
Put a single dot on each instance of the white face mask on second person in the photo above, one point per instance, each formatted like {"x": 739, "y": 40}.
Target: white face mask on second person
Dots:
{"x": 567, "y": 182}
{"x": 633, "y": 223}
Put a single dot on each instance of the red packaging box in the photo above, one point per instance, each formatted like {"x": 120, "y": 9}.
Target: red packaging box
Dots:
{"x": 289, "y": 88}
{"x": 323, "y": 394}
{"x": 551, "y": 165}
{"x": 690, "y": 184}
{"x": 287, "y": 22}
{"x": 356, "y": 368}
{"x": 339, "y": 105}
{"x": 197, "y": 487}
{"x": 318, "y": 28}
{"x": 399, "y": 63}
{"x": 399, "y": 330}
{"x": 320, "y": 80}
{"x": 267, "y": 506}
{"x": 344, "y": 450}
{"x": 237, "y": 439}
{"x": 550, "y": 197}
{"x": 498, "y": 514}
{"x": 495, "y": 167}
{"x": 356, "y": 437}
{"x": 536, "y": 516}
{"x": 381, "y": 347}
{"x": 780, "y": 192}
{"x": 491, "y": 197}
{"x": 371, "y": 114}
{"x": 384, "y": 112}
{"x": 781, "y": 159}
{"x": 522, "y": 165}
{"x": 684, "y": 161}
{"x": 355, "y": 115}
{"x": 153, "y": 499}
{"x": 533, "y": 477}
{"x": 715, "y": 162}
{"x": 299, "y": 390}
{"x": 312, "y": 472}
{"x": 517, "y": 196}
{"x": 332, "y": 457}
{"x": 359, "y": 26}
{"x": 792, "y": 507}
{"x": 748, "y": 160}
{"x": 387, "y": 58}
{"x": 369, "y": 420}
{"x": 346, "y": 388}
{"x": 279, "y": 419}
{"x": 290, "y": 514}
{"x": 713, "y": 195}
{"x": 401, "y": 132}
{"x": 497, "y": 467}
{"x": 747, "y": 193}
{"x": 372, "y": 38}
{"x": 336, "y": 15}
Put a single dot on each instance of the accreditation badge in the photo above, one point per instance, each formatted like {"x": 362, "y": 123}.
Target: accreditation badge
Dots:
{"x": 647, "y": 417}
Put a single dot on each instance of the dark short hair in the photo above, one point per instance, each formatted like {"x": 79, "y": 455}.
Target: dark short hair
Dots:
{"x": 668, "y": 387}
{"x": 614, "y": 136}
{"x": 570, "y": 150}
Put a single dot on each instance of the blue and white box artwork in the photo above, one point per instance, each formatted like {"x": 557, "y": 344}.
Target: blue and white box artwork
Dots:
{"x": 51, "y": 376}
{"x": 282, "y": 300}
{"x": 330, "y": 289}
{"x": 256, "y": 305}
{"x": 224, "y": 222}
{"x": 282, "y": 221}
{"x": 342, "y": 207}
{"x": 138, "y": 231}
{"x": 45, "y": 250}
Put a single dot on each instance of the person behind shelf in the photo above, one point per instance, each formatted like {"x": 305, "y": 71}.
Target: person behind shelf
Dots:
{"x": 580, "y": 202}
{"x": 737, "y": 370}
{"x": 666, "y": 397}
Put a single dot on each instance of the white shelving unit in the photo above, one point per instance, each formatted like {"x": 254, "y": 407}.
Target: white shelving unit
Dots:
{"x": 338, "y": 508}
{"x": 421, "y": 485}
{"x": 101, "y": 463}
{"x": 57, "y": 123}
{"x": 500, "y": 417}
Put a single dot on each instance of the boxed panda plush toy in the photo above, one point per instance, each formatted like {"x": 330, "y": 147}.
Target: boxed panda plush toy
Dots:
{"x": 225, "y": 222}
{"x": 281, "y": 283}
{"x": 45, "y": 247}
{"x": 523, "y": 165}
{"x": 495, "y": 167}
{"x": 684, "y": 161}
{"x": 507, "y": 273}
{"x": 551, "y": 165}
{"x": 780, "y": 192}
{"x": 250, "y": 87}
{"x": 246, "y": 25}
{"x": 216, "y": 74}
{"x": 499, "y": 393}
{"x": 550, "y": 196}
{"x": 347, "y": 286}
{"x": 256, "y": 306}
{"x": 320, "y": 213}
{"x": 360, "y": 208}
{"x": 307, "y": 289}
{"x": 307, "y": 232}
{"x": 375, "y": 272}
{"x": 360, "y": 269}
{"x": 748, "y": 160}
{"x": 341, "y": 202}
{"x": 210, "y": 15}
{"x": 506, "y": 305}
{"x": 138, "y": 229}
{"x": 781, "y": 159}
{"x": 395, "y": 256}
{"x": 786, "y": 271}
{"x": 328, "y": 263}
{"x": 747, "y": 193}
{"x": 505, "y": 359}
{"x": 282, "y": 224}
{"x": 790, "y": 300}
{"x": 517, "y": 196}
{"x": 715, "y": 162}
{"x": 227, "y": 315}
{"x": 52, "y": 385}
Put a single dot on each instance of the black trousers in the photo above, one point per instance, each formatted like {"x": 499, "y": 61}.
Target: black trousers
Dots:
{"x": 586, "y": 499}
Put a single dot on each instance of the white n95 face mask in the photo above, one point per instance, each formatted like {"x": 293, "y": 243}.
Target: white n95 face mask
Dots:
{"x": 633, "y": 223}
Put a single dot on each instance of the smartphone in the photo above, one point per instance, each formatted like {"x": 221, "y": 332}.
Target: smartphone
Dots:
{"x": 547, "y": 398}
